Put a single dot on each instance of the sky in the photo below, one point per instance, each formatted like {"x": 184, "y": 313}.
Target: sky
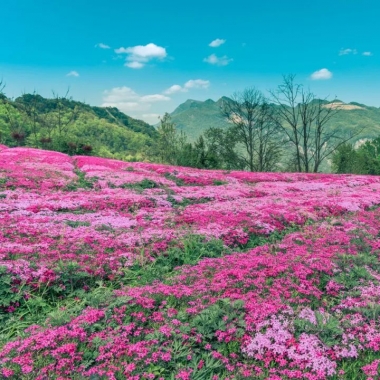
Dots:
{"x": 147, "y": 57}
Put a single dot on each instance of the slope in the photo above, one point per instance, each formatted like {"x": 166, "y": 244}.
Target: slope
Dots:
{"x": 70, "y": 126}
{"x": 195, "y": 117}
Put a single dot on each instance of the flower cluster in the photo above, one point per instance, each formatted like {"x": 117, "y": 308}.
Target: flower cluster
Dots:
{"x": 305, "y": 305}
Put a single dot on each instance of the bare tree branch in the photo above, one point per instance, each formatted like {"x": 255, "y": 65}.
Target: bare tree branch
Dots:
{"x": 254, "y": 127}
{"x": 305, "y": 120}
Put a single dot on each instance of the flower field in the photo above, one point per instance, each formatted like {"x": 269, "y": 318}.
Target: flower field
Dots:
{"x": 119, "y": 270}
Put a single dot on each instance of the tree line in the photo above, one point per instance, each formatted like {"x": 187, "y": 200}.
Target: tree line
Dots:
{"x": 289, "y": 131}
{"x": 72, "y": 127}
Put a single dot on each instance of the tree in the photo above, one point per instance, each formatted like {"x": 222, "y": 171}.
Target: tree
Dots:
{"x": 304, "y": 120}
{"x": 30, "y": 105}
{"x": 222, "y": 149}
{"x": 255, "y": 128}
{"x": 199, "y": 155}
{"x": 344, "y": 159}
{"x": 368, "y": 157}
{"x": 60, "y": 118}
{"x": 166, "y": 146}
{"x": 2, "y": 100}
{"x": 16, "y": 122}
{"x": 2, "y": 86}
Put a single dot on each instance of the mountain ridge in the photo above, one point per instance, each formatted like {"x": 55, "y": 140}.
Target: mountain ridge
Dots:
{"x": 194, "y": 117}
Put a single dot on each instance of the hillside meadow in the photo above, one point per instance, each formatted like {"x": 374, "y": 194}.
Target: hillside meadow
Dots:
{"x": 129, "y": 270}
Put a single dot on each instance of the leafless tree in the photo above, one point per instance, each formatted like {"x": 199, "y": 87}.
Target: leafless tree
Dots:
{"x": 62, "y": 116}
{"x": 255, "y": 127}
{"x": 304, "y": 120}
{"x": 2, "y": 86}
{"x": 29, "y": 104}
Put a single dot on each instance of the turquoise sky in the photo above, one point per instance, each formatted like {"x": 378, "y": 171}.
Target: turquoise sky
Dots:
{"x": 146, "y": 57}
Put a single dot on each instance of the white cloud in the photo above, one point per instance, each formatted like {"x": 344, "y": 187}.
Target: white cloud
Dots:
{"x": 72, "y": 74}
{"x": 192, "y": 83}
{"x": 151, "y": 118}
{"x": 138, "y": 56}
{"x": 217, "y": 42}
{"x": 128, "y": 100}
{"x": 367, "y": 53}
{"x": 321, "y": 74}
{"x": 154, "y": 98}
{"x": 102, "y": 46}
{"x": 197, "y": 83}
{"x": 174, "y": 89}
{"x": 219, "y": 61}
{"x": 347, "y": 51}
{"x": 118, "y": 94}
{"x": 134, "y": 65}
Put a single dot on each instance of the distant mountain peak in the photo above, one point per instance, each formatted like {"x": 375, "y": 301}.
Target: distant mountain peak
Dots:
{"x": 194, "y": 117}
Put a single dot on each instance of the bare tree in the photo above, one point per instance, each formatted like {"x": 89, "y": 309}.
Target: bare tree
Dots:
{"x": 62, "y": 116}
{"x": 304, "y": 120}
{"x": 327, "y": 139}
{"x": 29, "y": 104}
{"x": 2, "y": 86}
{"x": 253, "y": 123}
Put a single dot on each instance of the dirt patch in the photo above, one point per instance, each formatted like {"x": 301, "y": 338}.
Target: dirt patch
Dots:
{"x": 343, "y": 106}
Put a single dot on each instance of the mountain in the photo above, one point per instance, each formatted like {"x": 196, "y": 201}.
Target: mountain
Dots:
{"x": 70, "y": 126}
{"x": 194, "y": 117}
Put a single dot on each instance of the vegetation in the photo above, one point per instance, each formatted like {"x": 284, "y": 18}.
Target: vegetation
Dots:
{"x": 255, "y": 127}
{"x": 363, "y": 160}
{"x": 304, "y": 120}
{"x": 72, "y": 127}
{"x": 116, "y": 270}
{"x": 195, "y": 117}
{"x": 290, "y": 131}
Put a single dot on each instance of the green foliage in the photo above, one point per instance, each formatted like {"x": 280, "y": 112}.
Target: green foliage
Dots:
{"x": 192, "y": 249}
{"x": 256, "y": 240}
{"x": 217, "y": 317}
{"x": 7, "y": 295}
{"x": 73, "y": 127}
{"x": 172, "y": 147}
{"x": 223, "y": 151}
{"x": 82, "y": 182}
{"x": 142, "y": 185}
{"x": 166, "y": 146}
{"x": 344, "y": 159}
{"x": 363, "y": 160}
{"x": 77, "y": 223}
{"x": 195, "y": 117}
{"x": 327, "y": 328}
{"x": 186, "y": 201}
{"x": 176, "y": 180}
{"x": 72, "y": 278}
{"x": 113, "y": 115}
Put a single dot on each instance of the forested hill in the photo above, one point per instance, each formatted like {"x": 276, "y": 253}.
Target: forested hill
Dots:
{"x": 73, "y": 127}
{"x": 194, "y": 117}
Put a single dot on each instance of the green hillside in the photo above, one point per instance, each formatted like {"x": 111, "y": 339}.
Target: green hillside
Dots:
{"x": 194, "y": 117}
{"x": 73, "y": 127}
